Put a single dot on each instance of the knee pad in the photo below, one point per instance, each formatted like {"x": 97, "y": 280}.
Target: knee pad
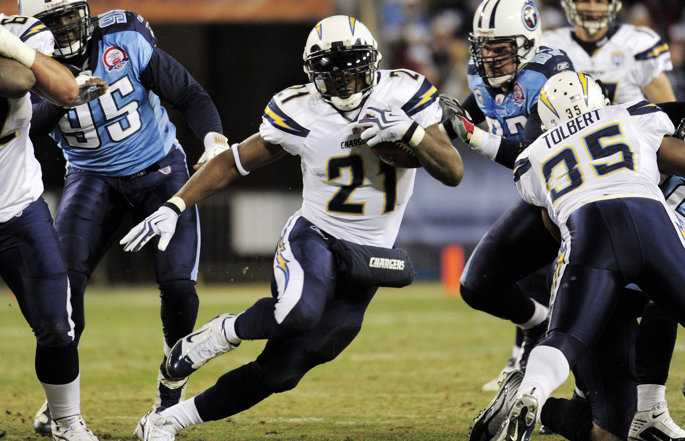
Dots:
{"x": 179, "y": 309}
{"x": 52, "y": 332}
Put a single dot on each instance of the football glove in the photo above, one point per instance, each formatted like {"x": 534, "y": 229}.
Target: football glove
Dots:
{"x": 393, "y": 125}
{"x": 161, "y": 223}
{"x": 680, "y": 130}
{"x": 460, "y": 121}
{"x": 215, "y": 143}
{"x": 89, "y": 88}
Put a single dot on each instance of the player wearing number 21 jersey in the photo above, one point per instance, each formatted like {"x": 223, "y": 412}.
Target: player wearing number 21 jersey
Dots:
{"x": 352, "y": 205}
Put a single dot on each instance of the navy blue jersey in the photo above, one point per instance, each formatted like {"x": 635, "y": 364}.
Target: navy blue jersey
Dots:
{"x": 127, "y": 129}
{"x": 507, "y": 113}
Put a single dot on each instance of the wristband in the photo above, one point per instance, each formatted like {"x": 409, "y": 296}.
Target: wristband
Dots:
{"x": 489, "y": 143}
{"x": 176, "y": 203}
{"x": 238, "y": 164}
{"x": 414, "y": 135}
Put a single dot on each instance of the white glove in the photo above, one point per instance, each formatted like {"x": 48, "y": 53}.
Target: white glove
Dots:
{"x": 382, "y": 125}
{"x": 12, "y": 47}
{"x": 215, "y": 143}
{"x": 162, "y": 222}
{"x": 89, "y": 88}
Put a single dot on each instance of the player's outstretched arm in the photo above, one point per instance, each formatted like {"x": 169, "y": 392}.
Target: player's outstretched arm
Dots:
{"x": 440, "y": 159}
{"x": 216, "y": 174}
{"x": 15, "y": 78}
{"x": 659, "y": 90}
{"x": 53, "y": 81}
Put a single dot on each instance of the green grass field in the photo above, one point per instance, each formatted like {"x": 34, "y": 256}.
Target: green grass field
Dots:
{"x": 413, "y": 374}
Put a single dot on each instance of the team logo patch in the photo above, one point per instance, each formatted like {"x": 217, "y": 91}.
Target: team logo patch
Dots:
{"x": 530, "y": 16}
{"x": 518, "y": 94}
{"x": 115, "y": 58}
{"x": 479, "y": 96}
{"x": 617, "y": 59}
{"x": 165, "y": 170}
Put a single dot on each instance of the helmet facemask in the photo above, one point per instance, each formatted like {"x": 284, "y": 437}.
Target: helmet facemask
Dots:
{"x": 521, "y": 51}
{"x": 71, "y": 27}
{"x": 343, "y": 76}
{"x": 591, "y": 22}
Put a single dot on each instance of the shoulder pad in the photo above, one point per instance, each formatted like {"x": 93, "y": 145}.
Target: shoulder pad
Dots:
{"x": 119, "y": 20}
{"x": 287, "y": 106}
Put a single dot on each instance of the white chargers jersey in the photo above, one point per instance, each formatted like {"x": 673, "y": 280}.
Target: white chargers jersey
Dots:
{"x": 625, "y": 63}
{"x": 20, "y": 171}
{"x": 347, "y": 191}
{"x": 601, "y": 154}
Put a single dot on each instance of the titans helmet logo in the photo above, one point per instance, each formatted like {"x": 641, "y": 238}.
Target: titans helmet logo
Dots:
{"x": 530, "y": 16}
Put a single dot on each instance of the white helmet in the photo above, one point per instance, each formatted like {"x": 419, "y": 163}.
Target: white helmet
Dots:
{"x": 589, "y": 21}
{"x": 341, "y": 58}
{"x": 505, "y": 21}
{"x": 71, "y": 38}
{"x": 566, "y": 95}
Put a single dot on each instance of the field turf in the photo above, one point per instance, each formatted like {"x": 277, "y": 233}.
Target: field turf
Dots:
{"x": 413, "y": 374}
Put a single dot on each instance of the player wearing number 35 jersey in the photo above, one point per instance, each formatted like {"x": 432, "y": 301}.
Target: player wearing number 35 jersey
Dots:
{"x": 122, "y": 154}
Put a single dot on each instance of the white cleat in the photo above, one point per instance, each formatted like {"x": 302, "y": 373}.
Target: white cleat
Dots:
{"x": 194, "y": 350}
{"x": 655, "y": 424}
{"x": 154, "y": 427}
{"x": 71, "y": 428}
{"x": 521, "y": 421}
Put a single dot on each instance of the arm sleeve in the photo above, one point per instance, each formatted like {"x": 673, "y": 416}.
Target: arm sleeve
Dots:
{"x": 471, "y": 106}
{"x": 45, "y": 116}
{"x": 174, "y": 84}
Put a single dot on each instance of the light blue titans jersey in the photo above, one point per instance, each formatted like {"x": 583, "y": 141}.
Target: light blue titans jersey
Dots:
{"x": 507, "y": 113}
{"x": 126, "y": 130}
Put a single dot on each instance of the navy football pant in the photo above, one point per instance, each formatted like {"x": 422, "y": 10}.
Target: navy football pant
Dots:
{"x": 514, "y": 248}
{"x": 90, "y": 213}
{"x": 613, "y": 243}
{"x": 31, "y": 264}
{"x": 312, "y": 317}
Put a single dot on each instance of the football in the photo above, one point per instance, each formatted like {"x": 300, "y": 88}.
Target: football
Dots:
{"x": 396, "y": 154}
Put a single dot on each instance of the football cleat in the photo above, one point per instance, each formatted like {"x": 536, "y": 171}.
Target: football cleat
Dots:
{"x": 531, "y": 338}
{"x": 655, "y": 424}
{"x": 71, "y": 428}
{"x": 42, "y": 422}
{"x": 169, "y": 392}
{"x": 194, "y": 350}
{"x": 154, "y": 427}
{"x": 490, "y": 419}
{"x": 493, "y": 385}
{"x": 521, "y": 421}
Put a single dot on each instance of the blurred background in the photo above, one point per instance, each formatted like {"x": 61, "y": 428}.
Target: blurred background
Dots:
{"x": 244, "y": 51}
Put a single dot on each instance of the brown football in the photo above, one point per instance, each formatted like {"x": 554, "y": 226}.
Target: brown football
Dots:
{"x": 396, "y": 154}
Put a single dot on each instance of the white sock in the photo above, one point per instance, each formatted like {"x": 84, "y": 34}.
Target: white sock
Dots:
{"x": 64, "y": 399}
{"x": 185, "y": 413}
{"x": 649, "y": 395}
{"x": 515, "y": 351}
{"x": 539, "y": 316}
{"x": 547, "y": 370}
{"x": 229, "y": 331}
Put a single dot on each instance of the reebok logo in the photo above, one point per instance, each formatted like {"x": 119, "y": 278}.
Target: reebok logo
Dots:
{"x": 384, "y": 263}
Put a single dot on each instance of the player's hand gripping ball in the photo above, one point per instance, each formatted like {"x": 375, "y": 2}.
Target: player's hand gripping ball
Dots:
{"x": 383, "y": 131}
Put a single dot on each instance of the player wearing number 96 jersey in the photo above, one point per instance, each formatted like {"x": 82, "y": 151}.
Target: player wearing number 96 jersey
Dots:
{"x": 352, "y": 205}
{"x": 122, "y": 154}
{"x": 595, "y": 172}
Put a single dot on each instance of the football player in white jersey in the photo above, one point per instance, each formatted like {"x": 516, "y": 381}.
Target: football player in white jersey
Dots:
{"x": 629, "y": 60}
{"x": 30, "y": 260}
{"x": 351, "y": 201}
{"x": 595, "y": 173}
